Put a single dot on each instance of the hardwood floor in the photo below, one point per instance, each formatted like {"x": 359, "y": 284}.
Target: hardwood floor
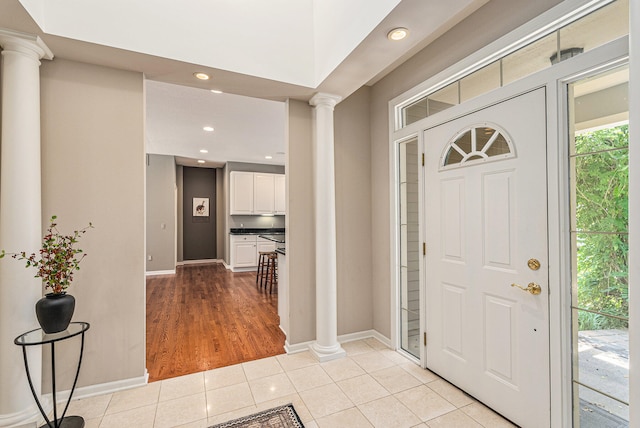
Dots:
{"x": 205, "y": 317}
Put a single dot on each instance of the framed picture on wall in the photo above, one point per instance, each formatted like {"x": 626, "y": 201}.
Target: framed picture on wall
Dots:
{"x": 201, "y": 207}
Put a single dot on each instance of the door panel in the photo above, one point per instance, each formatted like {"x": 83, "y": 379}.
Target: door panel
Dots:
{"x": 498, "y": 209}
{"x": 452, "y": 202}
{"x": 485, "y": 217}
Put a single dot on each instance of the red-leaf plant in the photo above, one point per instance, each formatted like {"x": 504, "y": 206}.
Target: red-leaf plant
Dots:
{"x": 58, "y": 258}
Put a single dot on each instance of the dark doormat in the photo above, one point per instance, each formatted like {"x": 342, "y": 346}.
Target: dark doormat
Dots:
{"x": 278, "y": 417}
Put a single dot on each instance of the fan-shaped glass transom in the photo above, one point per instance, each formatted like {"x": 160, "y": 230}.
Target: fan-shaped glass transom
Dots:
{"x": 476, "y": 144}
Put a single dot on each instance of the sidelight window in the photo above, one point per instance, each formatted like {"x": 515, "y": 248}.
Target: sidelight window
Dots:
{"x": 599, "y": 169}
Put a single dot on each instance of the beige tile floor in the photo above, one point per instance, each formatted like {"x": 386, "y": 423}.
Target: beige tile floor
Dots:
{"x": 371, "y": 387}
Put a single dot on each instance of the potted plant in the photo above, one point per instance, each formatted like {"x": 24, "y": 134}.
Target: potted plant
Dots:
{"x": 55, "y": 263}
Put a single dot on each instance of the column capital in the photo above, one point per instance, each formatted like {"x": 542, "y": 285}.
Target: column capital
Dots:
{"x": 27, "y": 44}
{"x": 324, "y": 99}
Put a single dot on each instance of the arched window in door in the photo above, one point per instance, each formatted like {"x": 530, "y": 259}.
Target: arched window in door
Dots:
{"x": 476, "y": 144}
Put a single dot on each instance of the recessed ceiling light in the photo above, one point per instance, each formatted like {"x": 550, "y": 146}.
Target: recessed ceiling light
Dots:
{"x": 200, "y": 161}
{"x": 397, "y": 34}
{"x": 216, "y": 91}
{"x": 204, "y": 151}
{"x": 268, "y": 157}
{"x": 208, "y": 128}
{"x": 202, "y": 76}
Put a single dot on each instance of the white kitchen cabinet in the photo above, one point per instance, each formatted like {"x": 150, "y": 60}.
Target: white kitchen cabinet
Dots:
{"x": 264, "y": 245}
{"x": 257, "y": 193}
{"x": 280, "y": 204}
{"x": 241, "y": 192}
{"x": 263, "y": 193}
{"x": 243, "y": 251}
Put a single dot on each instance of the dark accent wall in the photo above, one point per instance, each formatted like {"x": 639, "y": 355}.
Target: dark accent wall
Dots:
{"x": 199, "y": 233}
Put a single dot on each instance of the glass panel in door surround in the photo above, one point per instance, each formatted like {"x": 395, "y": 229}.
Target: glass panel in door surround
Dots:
{"x": 529, "y": 59}
{"x": 480, "y": 82}
{"x": 409, "y": 248}
{"x": 415, "y": 112}
{"x": 596, "y": 29}
{"x": 599, "y": 168}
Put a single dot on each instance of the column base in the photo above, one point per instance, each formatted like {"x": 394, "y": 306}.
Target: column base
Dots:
{"x": 327, "y": 353}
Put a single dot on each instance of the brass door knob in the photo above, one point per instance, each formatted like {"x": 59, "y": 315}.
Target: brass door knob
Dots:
{"x": 532, "y": 288}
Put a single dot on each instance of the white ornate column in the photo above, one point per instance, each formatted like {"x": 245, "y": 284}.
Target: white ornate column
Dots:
{"x": 20, "y": 219}
{"x": 326, "y": 346}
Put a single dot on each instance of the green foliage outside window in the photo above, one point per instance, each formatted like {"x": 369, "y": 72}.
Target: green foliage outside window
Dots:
{"x": 602, "y": 189}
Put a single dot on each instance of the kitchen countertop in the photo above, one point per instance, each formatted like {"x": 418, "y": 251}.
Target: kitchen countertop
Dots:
{"x": 281, "y": 251}
{"x": 278, "y": 238}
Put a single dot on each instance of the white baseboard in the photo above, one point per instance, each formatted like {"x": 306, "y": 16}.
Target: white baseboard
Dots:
{"x": 102, "y": 388}
{"x": 226, "y": 266}
{"x": 160, "y": 272}
{"x": 365, "y": 335}
{"x": 298, "y": 347}
{"x": 199, "y": 262}
{"x": 244, "y": 269}
{"x": 344, "y": 338}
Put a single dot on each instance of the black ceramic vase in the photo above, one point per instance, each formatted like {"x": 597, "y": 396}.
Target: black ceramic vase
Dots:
{"x": 54, "y": 311}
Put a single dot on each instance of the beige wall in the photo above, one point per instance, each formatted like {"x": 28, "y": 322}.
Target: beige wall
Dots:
{"x": 353, "y": 212}
{"x": 221, "y": 214}
{"x": 160, "y": 213}
{"x": 93, "y": 169}
{"x": 487, "y": 24}
{"x": 180, "y": 213}
{"x": 299, "y": 223}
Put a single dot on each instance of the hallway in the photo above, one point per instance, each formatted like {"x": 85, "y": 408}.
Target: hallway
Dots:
{"x": 205, "y": 317}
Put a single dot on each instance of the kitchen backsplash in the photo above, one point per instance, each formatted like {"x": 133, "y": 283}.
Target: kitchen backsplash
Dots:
{"x": 251, "y": 221}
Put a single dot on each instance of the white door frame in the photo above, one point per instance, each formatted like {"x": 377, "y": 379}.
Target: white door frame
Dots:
{"x": 554, "y": 79}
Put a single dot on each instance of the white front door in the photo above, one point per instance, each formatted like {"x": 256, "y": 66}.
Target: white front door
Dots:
{"x": 486, "y": 218}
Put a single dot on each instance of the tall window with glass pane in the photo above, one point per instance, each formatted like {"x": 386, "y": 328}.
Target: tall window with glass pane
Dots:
{"x": 599, "y": 167}
{"x": 409, "y": 248}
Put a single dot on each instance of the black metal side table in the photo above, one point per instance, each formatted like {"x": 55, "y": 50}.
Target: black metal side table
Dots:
{"x": 39, "y": 337}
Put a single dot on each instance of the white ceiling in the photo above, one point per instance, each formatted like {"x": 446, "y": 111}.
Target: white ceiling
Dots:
{"x": 260, "y": 50}
{"x": 245, "y": 129}
{"x": 292, "y": 41}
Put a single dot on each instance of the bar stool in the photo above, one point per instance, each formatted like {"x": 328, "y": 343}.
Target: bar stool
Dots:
{"x": 272, "y": 272}
{"x": 261, "y": 274}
